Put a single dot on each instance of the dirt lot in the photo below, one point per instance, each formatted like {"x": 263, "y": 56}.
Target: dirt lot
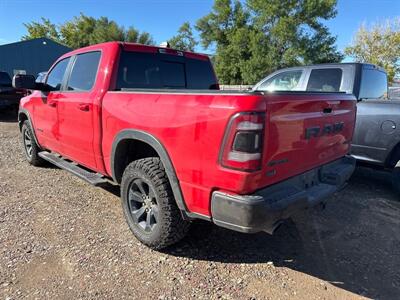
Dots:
{"x": 62, "y": 238}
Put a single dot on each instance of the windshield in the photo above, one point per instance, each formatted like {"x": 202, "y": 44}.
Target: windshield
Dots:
{"x": 285, "y": 81}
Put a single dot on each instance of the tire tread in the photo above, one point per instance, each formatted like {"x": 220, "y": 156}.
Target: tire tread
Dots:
{"x": 174, "y": 227}
{"x": 35, "y": 160}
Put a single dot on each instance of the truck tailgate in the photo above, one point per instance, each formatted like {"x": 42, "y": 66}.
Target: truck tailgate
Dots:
{"x": 304, "y": 131}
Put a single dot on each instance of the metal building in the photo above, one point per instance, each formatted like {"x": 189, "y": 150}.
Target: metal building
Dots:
{"x": 31, "y": 56}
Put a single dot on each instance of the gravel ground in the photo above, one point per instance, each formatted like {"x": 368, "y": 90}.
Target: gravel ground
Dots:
{"x": 61, "y": 238}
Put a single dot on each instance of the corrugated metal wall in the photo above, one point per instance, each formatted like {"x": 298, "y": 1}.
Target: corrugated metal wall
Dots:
{"x": 33, "y": 56}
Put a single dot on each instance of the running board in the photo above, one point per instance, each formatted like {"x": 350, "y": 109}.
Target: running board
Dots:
{"x": 95, "y": 179}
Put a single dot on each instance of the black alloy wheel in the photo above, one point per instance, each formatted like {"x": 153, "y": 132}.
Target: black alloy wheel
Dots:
{"x": 143, "y": 205}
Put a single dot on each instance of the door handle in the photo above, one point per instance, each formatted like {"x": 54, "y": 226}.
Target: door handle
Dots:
{"x": 52, "y": 103}
{"x": 84, "y": 107}
{"x": 327, "y": 110}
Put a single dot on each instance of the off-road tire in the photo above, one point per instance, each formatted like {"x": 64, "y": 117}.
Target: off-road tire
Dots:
{"x": 169, "y": 226}
{"x": 31, "y": 151}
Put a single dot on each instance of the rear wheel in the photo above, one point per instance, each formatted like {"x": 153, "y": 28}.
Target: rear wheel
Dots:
{"x": 31, "y": 148}
{"x": 149, "y": 206}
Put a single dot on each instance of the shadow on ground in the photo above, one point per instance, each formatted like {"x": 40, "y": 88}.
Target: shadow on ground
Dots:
{"x": 354, "y": 243}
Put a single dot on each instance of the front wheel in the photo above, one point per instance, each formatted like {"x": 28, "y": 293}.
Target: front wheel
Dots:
{"x": 149, "y": 206}
{"x": 31, "y": 148}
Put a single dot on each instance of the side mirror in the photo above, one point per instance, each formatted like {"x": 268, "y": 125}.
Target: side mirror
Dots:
{"x": 28, "y": 82}
{"x": 21, "y": 81}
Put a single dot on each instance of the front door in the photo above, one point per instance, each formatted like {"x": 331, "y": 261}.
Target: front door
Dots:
{"x": 45, "y": 108}
{"x": 377, "y": 126}
{"x": 75, "y": 110}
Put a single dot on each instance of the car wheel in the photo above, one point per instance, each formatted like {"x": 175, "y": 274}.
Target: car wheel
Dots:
{"x": 31, "y": 149}
{"x": 149, "y": 206}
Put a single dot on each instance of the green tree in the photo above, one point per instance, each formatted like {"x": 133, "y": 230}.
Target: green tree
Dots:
{"x": 378, "y": 44}
{"x": 226, "y": 31}
{"x": 184, "y": 40}
{"x": 78, "y": 32}
{"x": 255, "y": 39}
{"x": 293, "y": 34}
{"x": 106, "y": 30}
{"x": 41, "y": 29}
{"x": 143, "y": 38}
{"x": 83, "y": 31}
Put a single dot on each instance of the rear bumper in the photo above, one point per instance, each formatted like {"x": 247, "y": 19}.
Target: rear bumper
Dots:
{"x": 265, "y": 209}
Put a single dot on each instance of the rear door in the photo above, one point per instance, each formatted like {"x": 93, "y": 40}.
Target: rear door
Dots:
{"x": 75, "y": 109}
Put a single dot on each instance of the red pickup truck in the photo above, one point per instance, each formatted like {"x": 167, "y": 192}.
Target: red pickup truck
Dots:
{"x": 153, "y": 120}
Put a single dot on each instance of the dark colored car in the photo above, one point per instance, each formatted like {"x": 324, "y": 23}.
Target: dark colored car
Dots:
{"x": 9, "y": 96}
{"x": 376, "y": 140}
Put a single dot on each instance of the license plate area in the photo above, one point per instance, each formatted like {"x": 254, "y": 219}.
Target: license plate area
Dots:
{"x": 309, "y": 179}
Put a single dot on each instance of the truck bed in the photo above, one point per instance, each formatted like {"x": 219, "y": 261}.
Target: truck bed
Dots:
{"x": 191, "y": 124}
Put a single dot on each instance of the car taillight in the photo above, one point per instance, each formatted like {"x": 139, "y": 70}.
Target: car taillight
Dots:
{"x": 243, "y": 142}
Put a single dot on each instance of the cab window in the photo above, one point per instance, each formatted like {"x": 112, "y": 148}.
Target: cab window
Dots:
{"x": 325, "y": 80}
{"x": 140, "y": 70}
{"x": 373, "y": 84}
{"x": 56, "y": 75}
{"x": 286, "y": 81}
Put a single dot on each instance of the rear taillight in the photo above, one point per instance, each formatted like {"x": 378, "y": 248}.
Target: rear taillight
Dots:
{"x": 243, "y": 142}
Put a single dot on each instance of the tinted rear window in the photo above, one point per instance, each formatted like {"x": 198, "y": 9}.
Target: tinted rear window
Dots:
{"x": 172, "y": 74}
{"x": 373, "y": 84}
{"x": 5, "y": 79}
{"x": 325, "y": 80}
{"x": 163, "y": 71}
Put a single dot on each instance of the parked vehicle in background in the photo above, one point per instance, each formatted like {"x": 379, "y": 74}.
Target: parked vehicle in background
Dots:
{"x": 152, "y": 120}
{"x": 9, "y": 96}
{"x": 394, "y": 92}
{"x": 322, "y": 78}
{"x": 376, "y": 140}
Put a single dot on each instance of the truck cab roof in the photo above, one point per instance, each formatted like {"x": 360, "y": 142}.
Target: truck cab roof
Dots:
{"x": 136, "y": 47}
{"x": 357, "y": 64}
